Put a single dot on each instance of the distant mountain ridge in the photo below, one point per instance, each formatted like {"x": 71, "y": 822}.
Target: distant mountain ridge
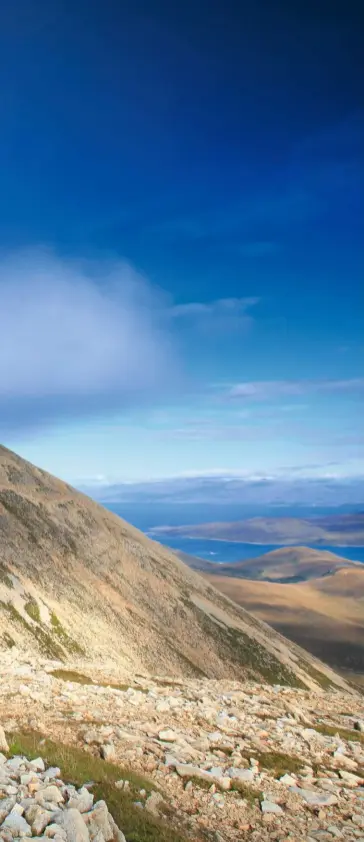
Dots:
{"x": 335, "y": 530}
{"x": 232, "y": 490}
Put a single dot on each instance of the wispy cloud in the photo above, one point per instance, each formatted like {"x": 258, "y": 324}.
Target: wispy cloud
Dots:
{"x": 222, "y": 306}
{"x": 273, "y": 389}
{"x": 219, "y": 316}
{"x": 75, "y": 337}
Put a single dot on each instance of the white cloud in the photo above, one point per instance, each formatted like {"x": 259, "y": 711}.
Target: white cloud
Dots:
{"x": 219, "y": 307}
{"x": 72, "y": 333}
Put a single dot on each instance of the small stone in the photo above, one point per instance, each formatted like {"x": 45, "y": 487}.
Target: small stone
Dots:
{"x": 350, "y": 779}
{"x": 216, "y": 771}
{"x": 118, "y": 836}
{"x": 153, "y": 803}
{"x": 167, "y": 736}
{"x": 3, "y": 743}
{"x": 16, "y": 763}
{"x": 6, "y": 805}
{"x": 17, "y": 825}
{"x": 38, "y": 818}
{"x": 18, "y": 809}
{"x": 49, "y": 794}
{"x": 27, "y": 778}
{"x": 52, "y": 772}
{"x": 170, "y": 760}
{"x": 241, "y": 774}
{"x": 82, "y": 800}
{"x": 288, "y": 780}
{"x": 91, "y": 736}
{"x": 37, "y": 764}
{"x": 271, "y": 807}
{"x": 358, "y": 725}
{"x": 98, "y": 817}
{"x": 315, "y": 799}
{"x": 53, "y": 830}
{"x": 74, "y": 825}
{"x": 341, "y": 760}
{"x": 107, "y": 751}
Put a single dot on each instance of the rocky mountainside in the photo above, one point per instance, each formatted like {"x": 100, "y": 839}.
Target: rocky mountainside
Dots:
{"x": 76, "y": 580}
{"x": 191, "y": 760}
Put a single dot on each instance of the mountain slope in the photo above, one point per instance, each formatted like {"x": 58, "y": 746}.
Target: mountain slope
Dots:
{"x": 76, "y": 581}
{"x": 336, "y": 530}
{"x": 325, "y": 615}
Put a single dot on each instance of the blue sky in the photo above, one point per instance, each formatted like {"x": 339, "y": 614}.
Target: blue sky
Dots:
{"x": 181, "y": 249}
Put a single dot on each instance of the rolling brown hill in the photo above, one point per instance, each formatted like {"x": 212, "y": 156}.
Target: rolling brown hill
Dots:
{"x": 287, "y": 564}
{"x": 78, "y": 582}
{"x": 324, "y": 614}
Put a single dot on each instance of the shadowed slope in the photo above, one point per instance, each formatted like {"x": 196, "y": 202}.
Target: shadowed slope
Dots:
{"x": 325, "y": 615}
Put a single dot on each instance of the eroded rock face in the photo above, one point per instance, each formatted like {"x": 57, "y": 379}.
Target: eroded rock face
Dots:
{"x": 235, "y": 747}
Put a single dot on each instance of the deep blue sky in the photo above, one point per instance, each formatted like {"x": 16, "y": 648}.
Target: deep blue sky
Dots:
{"x": 206, "y": 154}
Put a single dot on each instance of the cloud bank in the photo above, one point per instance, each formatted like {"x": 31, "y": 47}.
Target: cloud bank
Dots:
{"x": 312, "y": 486}
{"x": 77, "y": 337}
{"x": 273, "y": 389}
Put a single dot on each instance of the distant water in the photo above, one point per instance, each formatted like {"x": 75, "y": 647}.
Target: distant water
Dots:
{"x": 145, "y": 517}
{"x": 229, "y": 551}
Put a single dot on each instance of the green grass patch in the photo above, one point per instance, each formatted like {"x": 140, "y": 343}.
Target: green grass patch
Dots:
{"x": 225, "y": 749}
{"x": 4, "y": 576}
{"x": 44, "y": 640}
{"x": 78, "y": 767}
{"x": 70, "y": 675}
{"x": 8, "y": 640}
{"x": 320, "y": 677}
{"x": 71, "y": 645}
{"x": 201, "y": 783}
{"x": 47, "y": 645}
{"x": 249, "y": 793}
{"x": 32, "y": 609}
{"x": 344, "y": 733}
{"x": 278, "y": 763}
{"x": 238, "y": 648}
{"x": 79, "y": 678}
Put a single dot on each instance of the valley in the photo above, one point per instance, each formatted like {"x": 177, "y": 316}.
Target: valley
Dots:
{"x": 313, "y": 597}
